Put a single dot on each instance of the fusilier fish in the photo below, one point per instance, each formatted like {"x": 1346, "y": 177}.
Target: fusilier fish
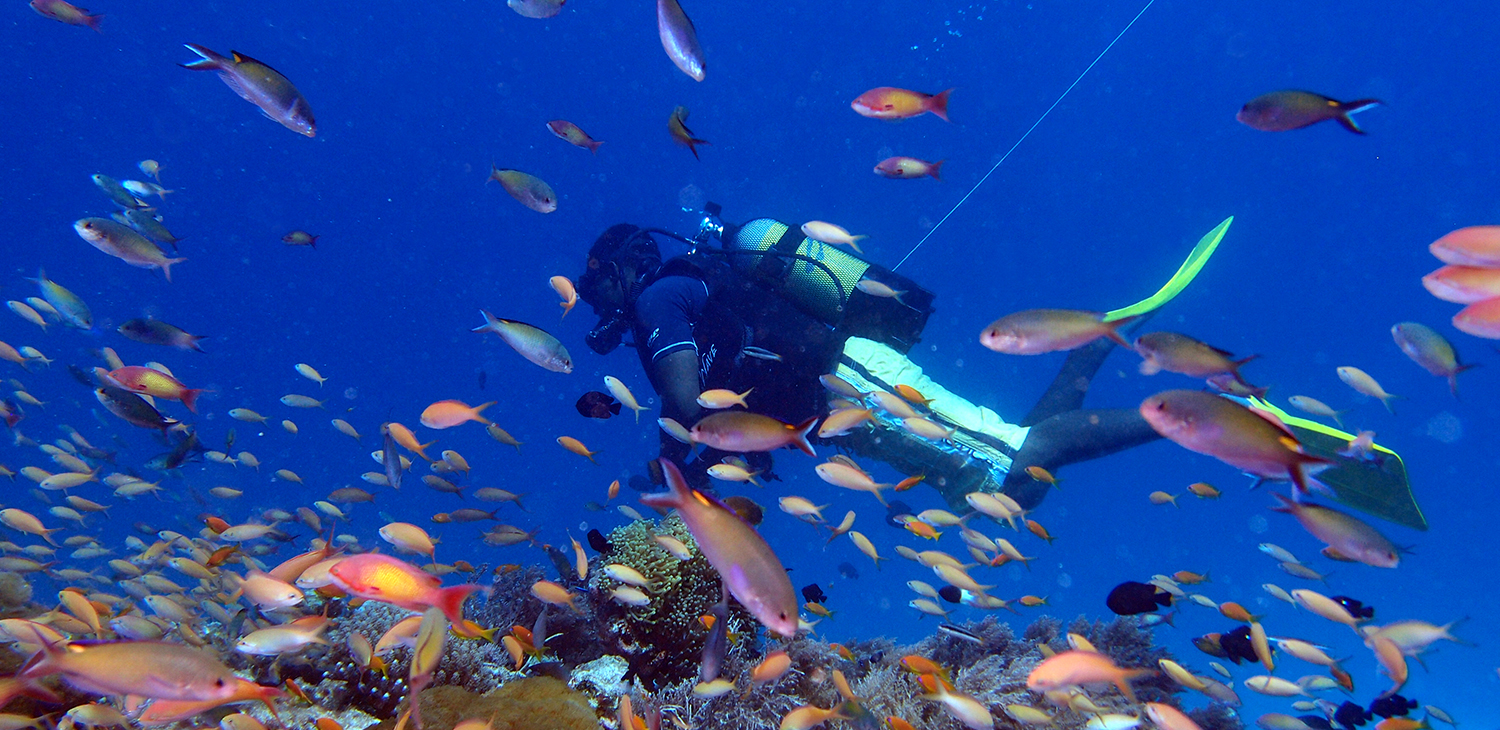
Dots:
{"x": 532, "y": 191}
{"x": 533, "y": 344}
{"x": 157, "y": 332}
{"x": 260, "y": 85}
{"x": 679, "y": 38}
{"x": 123, "y": 243}
{"x": 70, "y": 307}
{"x": 1431, "y": 350}
{"x": 1283, "y": 111}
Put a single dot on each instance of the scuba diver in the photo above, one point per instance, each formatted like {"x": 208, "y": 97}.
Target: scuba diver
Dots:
{"x": 773, "y": 310}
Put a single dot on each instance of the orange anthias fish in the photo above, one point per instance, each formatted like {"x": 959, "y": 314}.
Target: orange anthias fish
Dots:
{"x": 65, "y": 12}
{"x": 677, "y": 126}
{"x": 383, "y": 578}
{"x": 1075, "y": 668}
{"x": 260, "y": 85}
{"x": 905, "y": 168}
{"x": 741, "y": 431}
{"x": 155, "y": 383}
{"x": 151, "y": 669}
{"x": 886, "y": 102}
{"x": 450, "y": 413}
{"x": 750, "y": 569}
{"x": 570, "y": 132}
{"x": 1252, "y": 441}
{"x": 565, "y": 289}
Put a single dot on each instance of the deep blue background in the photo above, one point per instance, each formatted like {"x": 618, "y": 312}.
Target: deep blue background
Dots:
{"x": 1094, "y": 210}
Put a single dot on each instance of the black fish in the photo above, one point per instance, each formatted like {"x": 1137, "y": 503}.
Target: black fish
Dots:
{"x": 1131, "y": 598}
{"x": 1351, "y": 715}
{"x": 813, "y": 594}
{"x": 594, "y": 404}
{"x": 951, "y": 594}
{"x": 599, "y": 542}
{"x": 848, "y": 571}
{"x": 1354, "y": 606}
{"x": 895, "y": 508}
{"x": 1316, "y": 722}
{"x": 1237, "y": 646}
{"x": 640, "y": 483}
{"x": 1392, "y": 706}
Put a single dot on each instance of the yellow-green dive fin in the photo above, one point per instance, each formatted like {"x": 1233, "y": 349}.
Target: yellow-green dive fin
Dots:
{"x": 1379, "y": 488}
{"x": 1179, "y": 280}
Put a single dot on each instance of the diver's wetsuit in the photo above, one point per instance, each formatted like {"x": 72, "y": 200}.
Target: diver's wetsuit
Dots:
{"x": 680, "y": 313}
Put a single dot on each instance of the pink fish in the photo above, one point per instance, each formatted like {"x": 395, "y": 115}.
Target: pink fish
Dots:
{"x": 1472, "y": 246}
{"x": 741, "y": 431}
{"x": 750, "y": 569}
{"x": 1463, "y": 284}
{"x": 1346, "y": 534}
{"x": 1251, "y": 440}
{"x": 1037, "y": 331}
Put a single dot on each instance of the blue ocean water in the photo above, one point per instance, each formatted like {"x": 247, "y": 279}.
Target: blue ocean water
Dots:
{"x": 1094, "y": 210}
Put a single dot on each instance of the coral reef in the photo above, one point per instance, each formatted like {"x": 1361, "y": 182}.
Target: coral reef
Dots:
{"x": 993, "y": 671}
{"x": 535, "y": 703}
{"x": 15, "y": 596}
{"x": 664, "y": 639}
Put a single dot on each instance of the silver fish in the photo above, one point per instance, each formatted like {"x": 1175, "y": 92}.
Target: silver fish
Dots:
{"x": 679, "y": 38}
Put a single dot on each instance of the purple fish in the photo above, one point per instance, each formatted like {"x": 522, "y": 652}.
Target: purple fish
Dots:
{"x": 741, "y": 556}
{"x": 1283, "y": 111}
{"x": 679, "y": 38}
{"x": 1253, "y": 441}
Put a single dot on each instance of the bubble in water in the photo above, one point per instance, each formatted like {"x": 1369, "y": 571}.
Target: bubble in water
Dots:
{"x": 1064, "y": 580}
{"x": 351, "y": 393}
{"x": 1445, "y": 427}
{"x": 691, "y": 197}
{"x": 1258, "y": 524}
{"x": 583, "y": 526}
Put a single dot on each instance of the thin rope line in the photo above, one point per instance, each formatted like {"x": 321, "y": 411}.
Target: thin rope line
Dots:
{"x": 1034, "y": 125}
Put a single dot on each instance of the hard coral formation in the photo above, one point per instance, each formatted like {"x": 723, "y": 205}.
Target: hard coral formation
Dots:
{"x": 663, "y": 639}
{"x": 993, "y": 671}
{"x": 15, "y": 596}
{"x": 535, "y": 703}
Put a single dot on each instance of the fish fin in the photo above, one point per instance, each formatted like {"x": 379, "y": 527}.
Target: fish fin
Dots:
{"x": 593, "y": 146}
{"x": 190, "y": 398}
{"x": 938, "y": 104}
{"x": 208, "y": 60}
{"x": 800, "y": 440}
{"x": 1113, "y": 331}
{"x": 935, "y": 167}
{"x": 678, "y": 492}
{"x": 166, "y": 267}
{"x": 1348, "y": 108}
{"x": 451, "y": 600}
{"x": 1453, "y": 377}
{"x": 491, "y": 323}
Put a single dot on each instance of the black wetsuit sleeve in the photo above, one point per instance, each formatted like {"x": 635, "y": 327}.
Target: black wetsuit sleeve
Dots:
{"x": 665, "y": 314}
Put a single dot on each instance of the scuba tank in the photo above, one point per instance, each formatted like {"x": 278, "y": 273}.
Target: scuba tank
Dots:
{"x": 820, "y": 280}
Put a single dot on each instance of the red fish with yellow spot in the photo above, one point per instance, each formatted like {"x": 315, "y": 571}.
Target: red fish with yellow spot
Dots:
{"x": 401, "y": 584}
{"x": 887, "y": 102}
{"x": 155, "y": 383}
